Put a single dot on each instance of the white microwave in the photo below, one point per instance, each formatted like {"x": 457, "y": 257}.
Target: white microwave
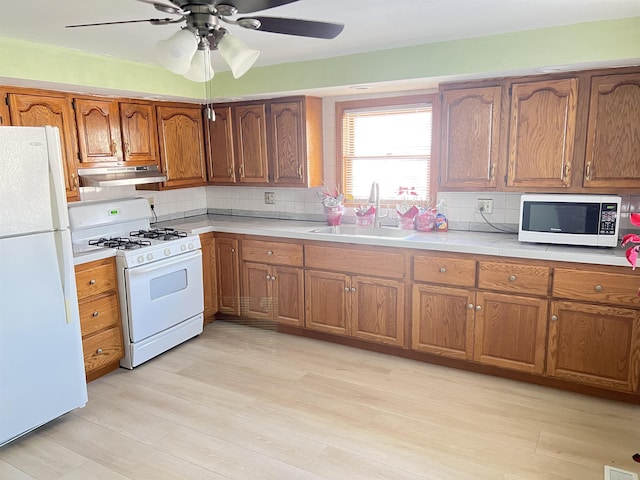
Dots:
{"x": 590, "y": 220}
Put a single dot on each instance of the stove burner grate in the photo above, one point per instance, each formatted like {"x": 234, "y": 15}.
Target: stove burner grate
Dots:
{"x": 159, "y": 234}
{"x": 120, "y": 243}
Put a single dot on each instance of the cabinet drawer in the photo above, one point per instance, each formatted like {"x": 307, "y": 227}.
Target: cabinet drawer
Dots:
{"x": 513, "y": 277}
{"x": 102, "y": 349}
{"x": 96, "y": 278}
{"x": 276, "y": 253}
{"x": 444, "y": 270}
{"x": 592, "y": 286}
{"x": 383, "y": 262}
{"x": 98, "y": 314}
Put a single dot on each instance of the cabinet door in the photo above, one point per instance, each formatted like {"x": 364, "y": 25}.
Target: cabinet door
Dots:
{"x": 470, "y": 137}
{"x": 442, "y": 321}
{"x": 180, "y": 131}
{"x": 228, "y": 275}
{"x": 4, "y": 109}
{"x": 287, "y": 143}
{"x": 250, "y": 132}
{"x": 613, "y": 132}
{"x": 377, "y": 310}
{"x": 257, "y": 300}
{"x": 139, "y": 133}
{"x": 510, "y": 331}
{"x": 327, "y": 303}
{"x": 98, "y": 124}
{"x": 594, "y": 344}
{"x": 288, "y": 292}
{"x": 220, "y": 147}
{"x": 542, "y": 133}
{"x": 209, "y": 275}
{"x": 40, "y": 110}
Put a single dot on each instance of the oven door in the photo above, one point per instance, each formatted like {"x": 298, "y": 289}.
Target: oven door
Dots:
{"x": 163, "y": 294}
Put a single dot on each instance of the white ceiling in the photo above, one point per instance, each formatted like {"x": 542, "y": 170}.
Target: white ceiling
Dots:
{"x": 369, "y": 24}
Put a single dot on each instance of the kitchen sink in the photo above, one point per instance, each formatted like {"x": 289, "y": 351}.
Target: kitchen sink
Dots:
{"x": 352, "y": 230}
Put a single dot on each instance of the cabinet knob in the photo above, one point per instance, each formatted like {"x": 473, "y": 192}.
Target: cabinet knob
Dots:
{"x": 478, "y": 307}
{"x": 269, "y": 252}
{"x": 92, "y": 282}
{"x": 353, "y": 289}
{"x": 268, "y": 277}
{"x": 346, "y": 289}
{"x": 554, "y": 318}
{"x": 598, "y": 288}
{"x": 443, "y": 270}
{"x": 512, "y": 278}
{"x": 273, "y": 277}
{"x": 95, "y": 314}
{"x": 233, "y": 250}
{"x": 98, "y": 351}
{"x": 470, "y": 306}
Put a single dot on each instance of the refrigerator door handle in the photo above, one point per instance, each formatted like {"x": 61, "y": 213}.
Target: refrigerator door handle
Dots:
{"x": 57, "y": 184}
{"x": 67, "y": 275}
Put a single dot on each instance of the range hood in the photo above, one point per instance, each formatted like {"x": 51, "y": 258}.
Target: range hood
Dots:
{"x": 116, "y": 176}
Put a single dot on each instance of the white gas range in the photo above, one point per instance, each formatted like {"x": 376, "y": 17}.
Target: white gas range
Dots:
{"x": 159, "y": 274}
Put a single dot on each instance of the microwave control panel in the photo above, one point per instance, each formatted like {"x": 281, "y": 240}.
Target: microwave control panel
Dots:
{"x": 608, "y": 216}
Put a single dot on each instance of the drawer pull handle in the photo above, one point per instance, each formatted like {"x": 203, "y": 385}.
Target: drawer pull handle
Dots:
{"x": 478, "y": 307}
{"x": 98, "y": 351}
{"x": 512, "y": 278}
{"x": 598, "y": 288}
{"x": 95, "y": 314}
{"x": 443, "y": 270}
{"x": 554, "y": 318}
{"x": 269, "y": 252}
{"x": 92, "y": 282}
{"x": 470, "y": 306}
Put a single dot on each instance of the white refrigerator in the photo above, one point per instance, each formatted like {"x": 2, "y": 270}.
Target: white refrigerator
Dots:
{"x": 41, "y": 361}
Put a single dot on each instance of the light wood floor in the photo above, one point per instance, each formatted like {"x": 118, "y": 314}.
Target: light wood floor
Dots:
{"x": 246, "y": 403}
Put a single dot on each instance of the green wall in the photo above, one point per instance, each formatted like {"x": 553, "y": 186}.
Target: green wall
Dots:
{"x": 607, "y": 41}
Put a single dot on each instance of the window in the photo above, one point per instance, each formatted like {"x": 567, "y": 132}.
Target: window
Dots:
{"x": 387, "y": 140}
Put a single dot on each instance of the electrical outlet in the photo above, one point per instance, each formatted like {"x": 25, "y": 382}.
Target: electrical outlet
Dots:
{"x": 270, "y": 198}
{"x": 485, "y": 205}
{"x": 151, "y": 202}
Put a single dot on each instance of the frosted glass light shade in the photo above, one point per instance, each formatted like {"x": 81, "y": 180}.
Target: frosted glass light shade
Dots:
{"x": 175, "y": 53}
{"x": 200, "y": 70}
{"x": 237, "y": 55}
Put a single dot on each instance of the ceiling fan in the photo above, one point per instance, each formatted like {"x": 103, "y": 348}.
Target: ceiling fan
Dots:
{"x": 187, "y": 51}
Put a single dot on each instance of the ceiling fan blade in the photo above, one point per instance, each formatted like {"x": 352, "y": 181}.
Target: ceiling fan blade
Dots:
{"x": 248, "y": 6}
{"x": 163, "y": 7}
{"x": 296, "y": 26}
{"x": 153, "y": 21}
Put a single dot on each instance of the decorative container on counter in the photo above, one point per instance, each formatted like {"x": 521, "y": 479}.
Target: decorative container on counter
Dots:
{"x": 426, "y": 220}
{"x": 406, "y": 218}
{"x": 365, "y": 217}
{"x": 333, "y": 215}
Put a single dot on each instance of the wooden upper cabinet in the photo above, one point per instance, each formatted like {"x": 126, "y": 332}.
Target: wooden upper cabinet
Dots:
{"x": 219, "y": 140}
{"x": 470, "y": 137}
{"x": 4, "y": 109}
{"x": 250, "y": 131}
{"x": 613, "y": 132}
{"x": 98, "y": 124}
{"x": 182, "y": 158}
{"x": 295, "y": 141}
{"x": 41, "y": 110}
{"x": 139, "y": 133}
{"x": 542, "y": 133}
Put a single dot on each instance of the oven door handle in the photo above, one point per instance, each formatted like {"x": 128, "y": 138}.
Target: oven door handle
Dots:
{"x": 165, "y": 263}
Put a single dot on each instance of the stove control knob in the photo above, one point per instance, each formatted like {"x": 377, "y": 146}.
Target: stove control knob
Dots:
{"x": 167, "y": 252}
{"x": 183, "y": 248}
{"x": 149, "y": 256}
{"x": 190, "y": 246}
{"x": 140, "y": 258}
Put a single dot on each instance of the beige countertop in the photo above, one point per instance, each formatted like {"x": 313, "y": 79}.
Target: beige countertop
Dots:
{"x": 481, "y": 243}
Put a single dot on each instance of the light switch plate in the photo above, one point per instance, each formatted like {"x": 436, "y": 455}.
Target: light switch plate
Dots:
{"x": 270, "y": 198}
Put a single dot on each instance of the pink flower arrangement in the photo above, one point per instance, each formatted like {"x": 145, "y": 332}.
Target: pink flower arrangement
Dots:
{"x": 632, "y": 252}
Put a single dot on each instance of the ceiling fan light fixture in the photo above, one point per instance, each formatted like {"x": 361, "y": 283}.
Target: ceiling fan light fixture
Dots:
{"x": 200, "y": 70}
{"x": 237, "y": 54}
{"x": 175, "y": 53}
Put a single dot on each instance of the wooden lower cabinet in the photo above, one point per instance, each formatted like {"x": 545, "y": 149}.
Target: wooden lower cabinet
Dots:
{"x": 99, "y": 317}
{"x": 510, "y": 331}
{"x": 442, "y": 321}
{"x": 228, "y": 275}
{"x": 594, "y": 344}
{"x": 209, "y": 276}
{"x": 363, "y": 307}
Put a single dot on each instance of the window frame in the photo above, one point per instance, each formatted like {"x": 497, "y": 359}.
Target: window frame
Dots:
{"x": 430, "y": 98}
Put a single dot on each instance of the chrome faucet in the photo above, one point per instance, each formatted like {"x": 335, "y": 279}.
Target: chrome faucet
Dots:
{"x": 374, "y": 198}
